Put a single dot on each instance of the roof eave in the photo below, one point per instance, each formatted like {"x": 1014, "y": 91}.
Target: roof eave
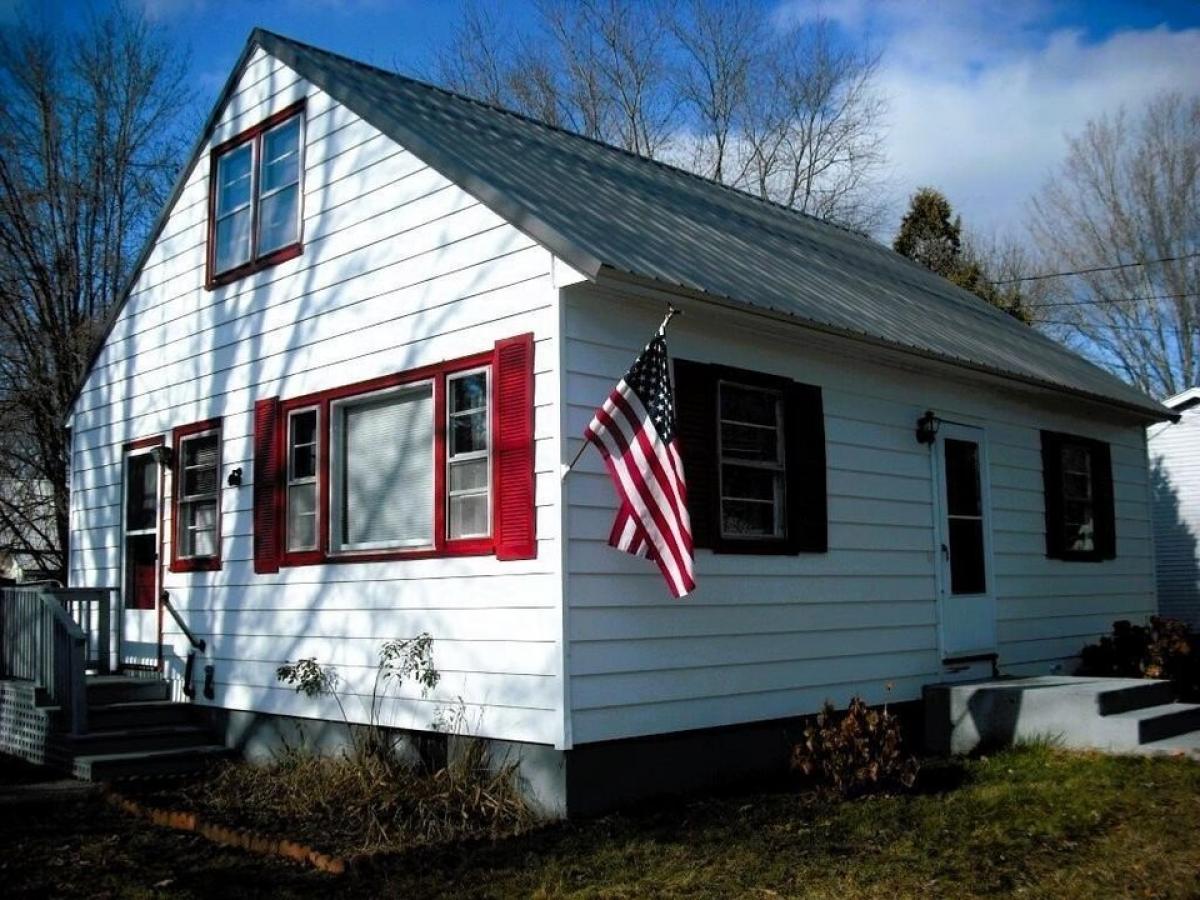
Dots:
{"x": 1149, "y": 413}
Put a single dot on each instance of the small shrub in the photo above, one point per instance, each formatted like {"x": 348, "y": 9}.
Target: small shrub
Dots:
{"x": 1165, "y": 648}
{"x": 856, "y": 752}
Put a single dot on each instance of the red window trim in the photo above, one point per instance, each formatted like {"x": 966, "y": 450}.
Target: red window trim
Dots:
{"x": 213, "y": 279}
{"x": 142, "y": 443}
{"x": 193, "y": 563}
{"x": 321, "y": 400}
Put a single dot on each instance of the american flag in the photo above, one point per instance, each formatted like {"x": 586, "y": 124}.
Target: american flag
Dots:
{"x": 635, "y": 432}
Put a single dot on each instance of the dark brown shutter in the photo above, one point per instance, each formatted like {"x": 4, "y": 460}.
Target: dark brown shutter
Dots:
{"x": 1052, "y": 490}
{"x": 696, "y": 427}
{"x": 267, "y": 505}
{"x": 1102, "y": 497}
{"x": 804, "y": 426}
{"x": 515, "y": 520}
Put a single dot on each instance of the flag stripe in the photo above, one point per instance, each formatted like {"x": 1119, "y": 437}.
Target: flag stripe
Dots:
{"x": 634, "y": 430}
{"x": 650, "y": 514}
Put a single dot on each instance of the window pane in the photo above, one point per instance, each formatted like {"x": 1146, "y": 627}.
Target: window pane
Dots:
{"x": 468, "y": 432}
{"x": 278, "y": 215}
{"x": 281, "y": 156}
{"x": 472, "y": 474}
{"x": 302, "y": 516}
{"x": 1079, "y": 537}
{"x": 744, "y": 483}
{"x": 468, "y": 392}
{"x": 304, "y": 427}
{"x": 200, "y": 465}
{"x": 1076, "y": 486}
{"x": 966, "y": 557}
{"x": 468, "y": 516}
{"x": 198, "y": 534}
{"x": 233, "y": 180}
{"x": 233, "y": 240}
{"x": 1076, "y": 459}
{"x": 744, "y": 518}
{"x": 962, "y": 478}
{"x": 744, "y": 404}
{"x": 141, "y": 510}
{"x": 749, "y": 442}
{"x": 386, "y": 470}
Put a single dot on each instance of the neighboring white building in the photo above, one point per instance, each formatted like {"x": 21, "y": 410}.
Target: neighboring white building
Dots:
{"x": 1175, "y": 481}
{"x": 371, "y": 328}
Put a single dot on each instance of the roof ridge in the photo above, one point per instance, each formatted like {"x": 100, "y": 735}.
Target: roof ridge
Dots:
{"x": 503, "y": 110}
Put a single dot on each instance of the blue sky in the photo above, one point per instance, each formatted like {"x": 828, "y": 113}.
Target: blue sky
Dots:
{"x": 981, "y": 92}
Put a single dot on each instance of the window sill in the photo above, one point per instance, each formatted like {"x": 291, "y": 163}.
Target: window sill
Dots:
{"x": 485, "y": 547}
{"x": 274, "y": 258}
{"x": 198, "y": 564}
{"x": 1092, "y": 556}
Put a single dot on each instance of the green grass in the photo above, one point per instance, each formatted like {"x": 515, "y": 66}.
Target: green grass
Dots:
{"x": 1035, "y": 821}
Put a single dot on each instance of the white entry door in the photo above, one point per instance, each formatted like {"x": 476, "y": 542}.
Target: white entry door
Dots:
{"x": 139, "y": 554}
{"x": 963, "y": 535}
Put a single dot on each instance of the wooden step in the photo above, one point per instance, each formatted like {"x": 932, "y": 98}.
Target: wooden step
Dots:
{"x": 1155, "y": 723}
{"x": 139, "y": 713}
{"x": 103, "y": 690}
{"x": 1134, "y": 696}
{"x": 148, "y": 763}
{"x": 130, "y": 740}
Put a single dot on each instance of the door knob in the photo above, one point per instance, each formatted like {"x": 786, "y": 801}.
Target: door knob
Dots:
{"x": 945, "y": 552}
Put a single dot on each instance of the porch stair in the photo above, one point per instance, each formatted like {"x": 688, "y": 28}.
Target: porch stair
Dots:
{"x": 136, "y": 731}
{"x": 1115, "y": 715}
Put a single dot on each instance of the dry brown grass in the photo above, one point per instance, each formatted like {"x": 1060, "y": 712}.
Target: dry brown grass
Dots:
{"x": 365, "y": 802}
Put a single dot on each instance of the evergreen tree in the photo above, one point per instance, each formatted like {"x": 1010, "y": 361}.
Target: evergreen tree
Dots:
{"x": 931, "y": 234}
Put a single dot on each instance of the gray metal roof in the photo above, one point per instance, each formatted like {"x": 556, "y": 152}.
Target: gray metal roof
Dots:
{"x": 598, "y": 207}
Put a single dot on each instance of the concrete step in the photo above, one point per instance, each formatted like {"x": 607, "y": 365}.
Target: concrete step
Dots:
{"x": 1187, "y": 744}
{"x": 1143, "y": 726}
{"x": 130, "y": 740}
{"x": 107, "y": 689}
{"x": 147, "y": 763}
{"x": 140, "y": 713}
{"x": 1138, "y": 695}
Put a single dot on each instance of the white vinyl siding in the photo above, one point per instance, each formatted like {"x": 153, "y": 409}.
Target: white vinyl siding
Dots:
{"x": 769, "y": 636}
{"x": 1175, "y": 483}
{"x": 401, "y": 269}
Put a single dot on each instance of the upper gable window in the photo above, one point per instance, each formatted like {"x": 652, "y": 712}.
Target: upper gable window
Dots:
{"x": 255, "y": 197}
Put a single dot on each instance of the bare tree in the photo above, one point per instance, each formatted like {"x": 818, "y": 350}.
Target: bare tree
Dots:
{"x": 787, "y": 113}
{"x": 88, "y": 149}
{"x": 1129, "y": 192}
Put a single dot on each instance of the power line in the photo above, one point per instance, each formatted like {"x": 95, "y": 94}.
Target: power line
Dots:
{"x": 1107, "y": 327}
{"x": 1103, "y": 300}
{"x": 1112, "y": 268}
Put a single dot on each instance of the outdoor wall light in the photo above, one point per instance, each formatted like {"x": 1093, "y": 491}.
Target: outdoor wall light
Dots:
{"x": 927, "y": 427}
{"x": 163, "y": 456}
{"x": 235, "y": 477}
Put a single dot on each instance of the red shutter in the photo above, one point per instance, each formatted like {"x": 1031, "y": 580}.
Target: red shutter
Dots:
{"x": 514, "y": 518}
{"x": 266, "y": 486}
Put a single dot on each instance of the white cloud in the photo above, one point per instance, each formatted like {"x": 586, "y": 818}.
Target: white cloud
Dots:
{"x": 983, "y": 94}
{"x": 990, "y": 138}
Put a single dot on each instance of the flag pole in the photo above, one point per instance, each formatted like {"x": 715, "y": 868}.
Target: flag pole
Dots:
{"x": 662, "y": 329}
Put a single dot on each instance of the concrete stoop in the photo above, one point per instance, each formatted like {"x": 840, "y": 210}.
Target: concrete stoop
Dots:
{"x": 1116, "y": 715}
{"x": 134, "y": 731}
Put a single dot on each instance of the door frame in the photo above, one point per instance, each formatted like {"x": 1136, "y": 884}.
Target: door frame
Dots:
{"x": 141, "y": 447}
{"x": 978, "y": 434}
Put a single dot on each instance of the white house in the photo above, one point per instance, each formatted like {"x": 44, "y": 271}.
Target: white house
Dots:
{"x": 371, "y": 327}
{"x": 1175, "y": 481}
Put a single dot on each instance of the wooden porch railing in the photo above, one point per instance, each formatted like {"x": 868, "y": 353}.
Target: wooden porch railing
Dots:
{"x": 91, "y": 608}
{"x": 40, "y": 642}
